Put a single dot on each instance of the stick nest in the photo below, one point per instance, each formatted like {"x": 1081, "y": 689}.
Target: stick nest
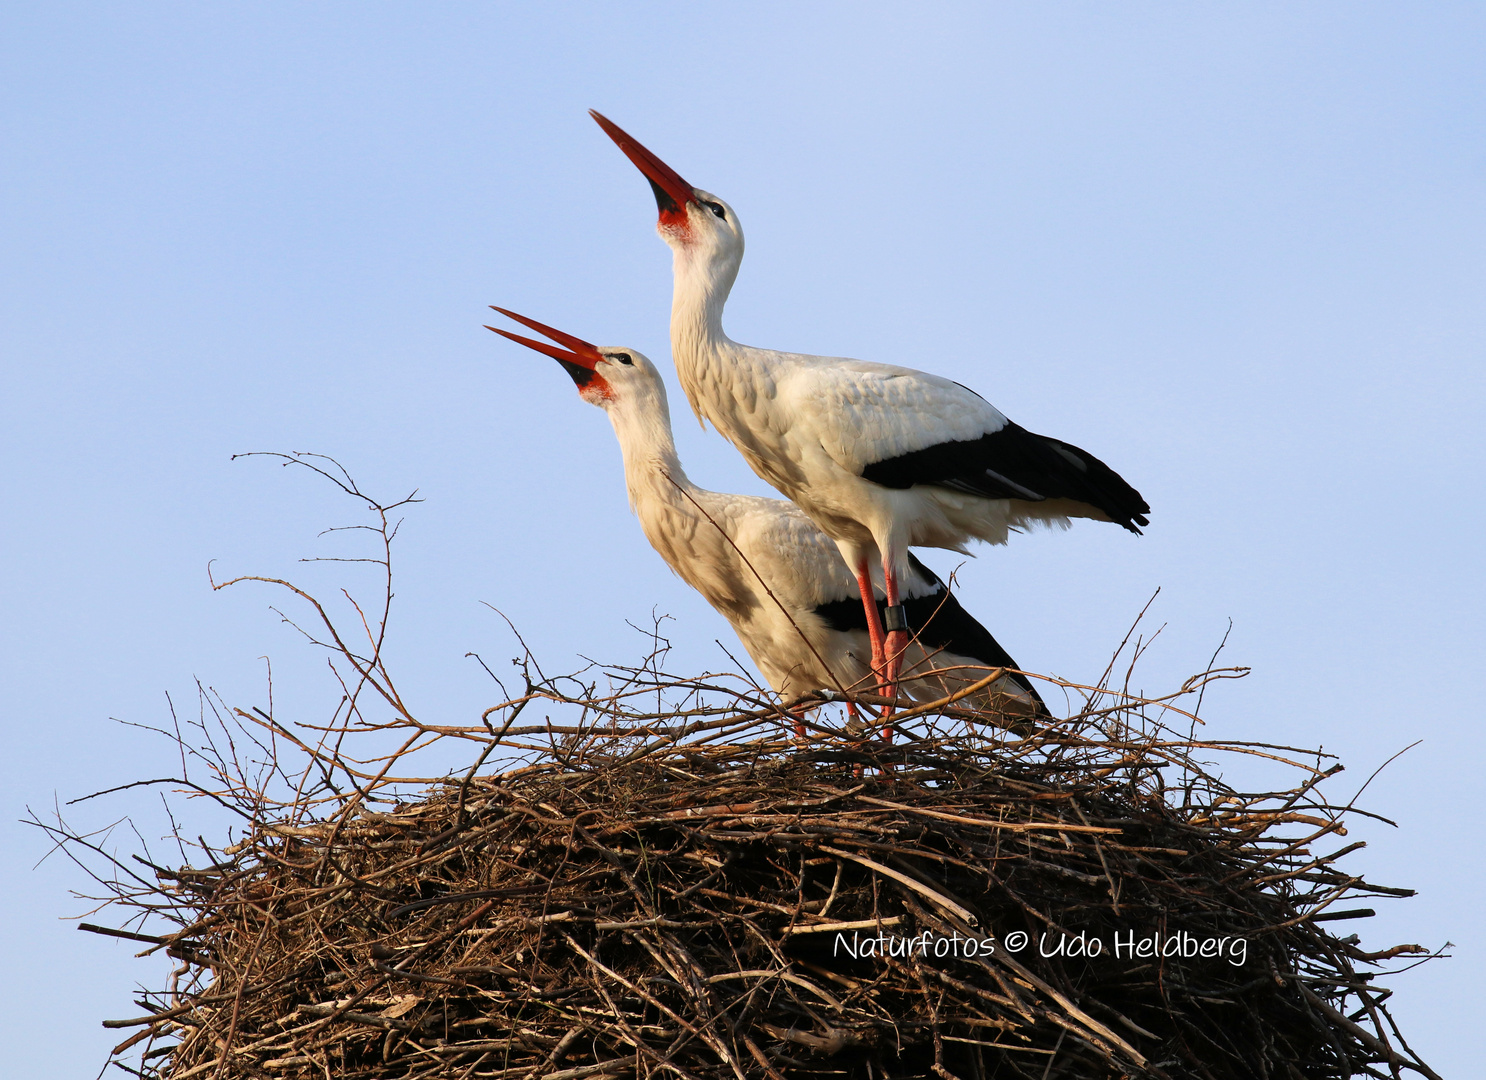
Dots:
{"x": 773, "y": 910}
{"x": 669, "y": 883}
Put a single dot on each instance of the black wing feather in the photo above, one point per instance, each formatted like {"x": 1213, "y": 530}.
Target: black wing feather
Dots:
{"x": 1014, "y": 463}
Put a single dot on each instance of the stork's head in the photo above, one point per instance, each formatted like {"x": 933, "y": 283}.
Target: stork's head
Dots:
{"x": 612, "y": 378}
{"x": 694, "y": 222}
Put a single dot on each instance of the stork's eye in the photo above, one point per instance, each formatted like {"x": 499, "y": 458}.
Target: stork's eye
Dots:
{"x": 716, "y": 208}
{"x": 623, "y": 357}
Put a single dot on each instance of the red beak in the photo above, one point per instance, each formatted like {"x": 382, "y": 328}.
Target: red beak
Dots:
{"x": 671, "y": 192}
{"x": 579, "y": 359}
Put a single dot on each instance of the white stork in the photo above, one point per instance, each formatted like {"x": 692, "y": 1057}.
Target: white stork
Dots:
{"x": 880, "y": 457}
{"x": 766, "y": 568}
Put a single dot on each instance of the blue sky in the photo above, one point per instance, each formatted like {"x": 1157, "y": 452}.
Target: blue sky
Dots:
{"x": 1235, "y": 251}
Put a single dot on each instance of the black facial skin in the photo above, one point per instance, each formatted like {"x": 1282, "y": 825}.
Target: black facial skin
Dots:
{"x": 579, "y": 374}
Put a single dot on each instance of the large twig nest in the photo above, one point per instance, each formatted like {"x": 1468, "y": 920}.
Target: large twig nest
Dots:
{"x": 769, "y": 910}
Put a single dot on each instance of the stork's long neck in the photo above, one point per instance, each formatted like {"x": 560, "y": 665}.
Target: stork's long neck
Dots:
{"x": 700, "y": 293}
{"x": 652, "y": 468}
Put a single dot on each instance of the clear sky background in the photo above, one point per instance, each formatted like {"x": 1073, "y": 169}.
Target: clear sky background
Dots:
{"x": 1235, "y": 250}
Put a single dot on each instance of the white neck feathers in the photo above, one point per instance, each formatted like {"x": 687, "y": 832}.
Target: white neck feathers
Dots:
{"x": 652, "y": 469}
{"x": 703, "y": 281}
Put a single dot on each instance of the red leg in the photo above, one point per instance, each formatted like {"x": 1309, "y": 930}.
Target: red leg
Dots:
{"x": 874, "y": 624}
{"x": 894, "y": 643}
{"x": 879, "y": 641}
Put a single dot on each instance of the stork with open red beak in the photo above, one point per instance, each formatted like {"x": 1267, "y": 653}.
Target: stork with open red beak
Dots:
{"x": 882, "y": 458}
{"x": 766, "y": 568}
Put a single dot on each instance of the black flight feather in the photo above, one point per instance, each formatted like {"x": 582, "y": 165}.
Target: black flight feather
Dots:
{"x": 1014, "y": 463}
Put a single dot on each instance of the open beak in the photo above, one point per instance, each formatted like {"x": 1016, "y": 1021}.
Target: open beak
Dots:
{"x": 579, "y": 359}
{"x": 671, "y": 192}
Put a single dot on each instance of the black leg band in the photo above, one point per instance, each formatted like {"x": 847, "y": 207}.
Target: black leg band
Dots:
{"x": 895, "y": 618}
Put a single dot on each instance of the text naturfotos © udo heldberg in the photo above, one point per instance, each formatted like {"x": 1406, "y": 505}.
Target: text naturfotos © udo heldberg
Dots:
{"x": 1123, "y": 945}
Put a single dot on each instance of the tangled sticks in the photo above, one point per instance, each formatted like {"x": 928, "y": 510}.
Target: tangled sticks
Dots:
{"x": 666, "y": 884}
{"x": 638, "y": 905}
